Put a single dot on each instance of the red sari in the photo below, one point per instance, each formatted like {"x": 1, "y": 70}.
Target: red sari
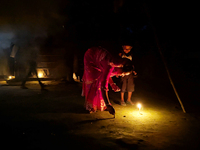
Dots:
{"x": 97, "y": 75}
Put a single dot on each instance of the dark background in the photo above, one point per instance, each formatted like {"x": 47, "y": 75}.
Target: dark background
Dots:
{"x": 77, "y": 25}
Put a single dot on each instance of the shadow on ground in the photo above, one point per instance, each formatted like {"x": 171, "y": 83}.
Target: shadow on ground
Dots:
{"x": 56, "y": 119}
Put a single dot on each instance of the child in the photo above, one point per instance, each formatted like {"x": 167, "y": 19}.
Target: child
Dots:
{"x": 128, "y": 80}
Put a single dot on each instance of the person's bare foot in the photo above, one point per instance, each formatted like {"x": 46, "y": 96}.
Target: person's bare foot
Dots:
{"x": 123, "y": 103}
{"x": 130, "y": 102}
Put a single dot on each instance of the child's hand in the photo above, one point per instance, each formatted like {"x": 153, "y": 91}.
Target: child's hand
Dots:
{"x": 135, "y": 73}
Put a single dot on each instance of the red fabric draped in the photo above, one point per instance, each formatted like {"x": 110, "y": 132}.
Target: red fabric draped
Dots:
{"x": 96, "y": 76}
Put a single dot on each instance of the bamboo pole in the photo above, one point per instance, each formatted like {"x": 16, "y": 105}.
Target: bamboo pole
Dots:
{"x": 162, "y": 57}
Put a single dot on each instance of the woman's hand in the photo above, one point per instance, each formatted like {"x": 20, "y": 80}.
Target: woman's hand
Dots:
{"x": 125, "y": 74}
{"x": 113, "y": 65}
{"x": 115, "y": 87}
{"x": 120, "y": 65}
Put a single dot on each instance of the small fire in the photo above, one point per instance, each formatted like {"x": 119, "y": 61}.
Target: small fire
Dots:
{"x": 139, "y": 106}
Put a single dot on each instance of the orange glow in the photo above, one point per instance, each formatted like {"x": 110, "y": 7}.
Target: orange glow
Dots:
{"x": 40, "y": 74}
{"x": 11, "y": 77}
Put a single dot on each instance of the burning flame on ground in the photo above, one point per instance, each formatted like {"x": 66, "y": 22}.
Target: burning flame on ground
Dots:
{"x": 139, "y": 106}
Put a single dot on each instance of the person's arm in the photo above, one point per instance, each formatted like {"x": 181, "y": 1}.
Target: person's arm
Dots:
{"x": 113, "y": 85}
{"x": 107, "y": 102}
{"x": 105, "y": 96}
{"x": 104, "y": 90}
{"x": 114, "y": 65}
{"x": 104, "y": 85}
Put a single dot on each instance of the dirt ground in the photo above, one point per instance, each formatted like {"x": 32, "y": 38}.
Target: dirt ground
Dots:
{"x": 35, "y": 119}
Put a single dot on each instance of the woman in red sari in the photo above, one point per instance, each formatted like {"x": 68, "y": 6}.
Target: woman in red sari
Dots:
{"x": 98, "y": 70}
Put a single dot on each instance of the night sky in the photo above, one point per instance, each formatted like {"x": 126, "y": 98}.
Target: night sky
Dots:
{"x": 88, "y": 20}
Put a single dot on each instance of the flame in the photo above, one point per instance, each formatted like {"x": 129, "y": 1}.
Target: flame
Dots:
{"x": 40, "y": 74}
{"x": 11, "y": 77}
{"x": 139, "y": 106}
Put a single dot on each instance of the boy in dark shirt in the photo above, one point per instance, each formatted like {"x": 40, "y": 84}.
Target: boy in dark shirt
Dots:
{"x": 128, "y": 80}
